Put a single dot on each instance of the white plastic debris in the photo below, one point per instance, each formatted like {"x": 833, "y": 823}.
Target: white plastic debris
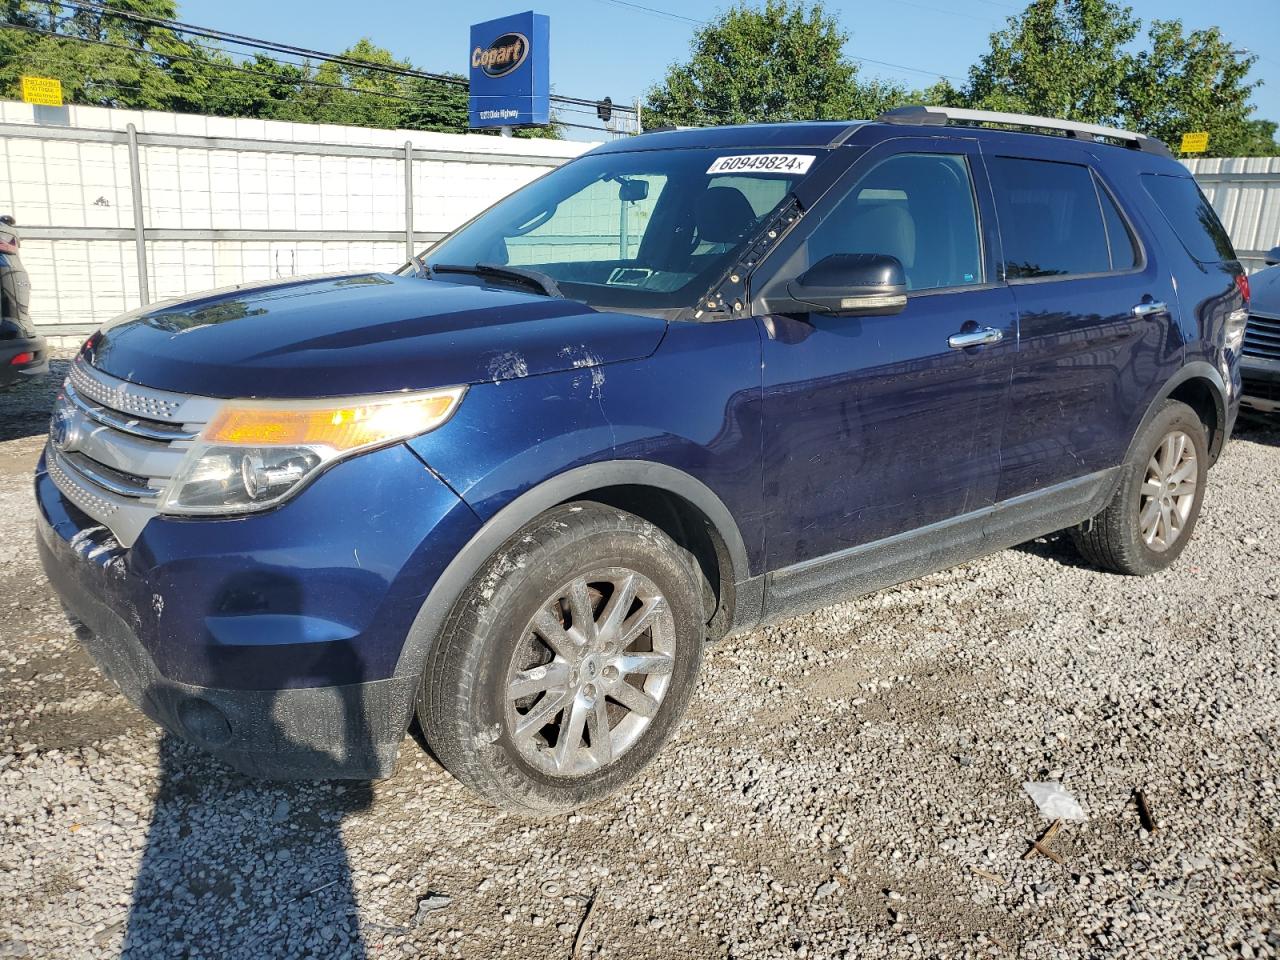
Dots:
{"x": 1054, "y": 801}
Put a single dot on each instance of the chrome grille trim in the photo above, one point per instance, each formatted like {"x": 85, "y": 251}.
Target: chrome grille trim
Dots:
{"x": 120, "y": 444}
{"x": 162, "y": 432}
{"x": 97, "y": 507}
{"x": 109, "y": 479}
{"x": 119, "y": 395}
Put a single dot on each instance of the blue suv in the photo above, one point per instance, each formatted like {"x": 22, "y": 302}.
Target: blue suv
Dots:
{"x": 686, "y": 384}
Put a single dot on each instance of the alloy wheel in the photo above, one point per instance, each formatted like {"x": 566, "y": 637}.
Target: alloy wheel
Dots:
{"x": 591, "y": 672}
{"x": 1168, "y": 492}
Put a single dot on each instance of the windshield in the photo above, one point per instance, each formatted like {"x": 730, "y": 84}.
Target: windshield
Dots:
{"x": 649, "y": 230}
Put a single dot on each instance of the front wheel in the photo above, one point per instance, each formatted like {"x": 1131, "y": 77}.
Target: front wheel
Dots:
{"x": 1150, "y": 518}
{"x": 567, "y": 663}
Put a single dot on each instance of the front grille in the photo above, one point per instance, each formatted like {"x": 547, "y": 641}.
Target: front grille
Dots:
{"x": 1262, "y": 337}
{"x": 114, "y": 446}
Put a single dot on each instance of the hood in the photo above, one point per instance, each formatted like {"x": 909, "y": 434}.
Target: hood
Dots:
{"x": 360, "y": 333}
{"x": 1264, "y": 289}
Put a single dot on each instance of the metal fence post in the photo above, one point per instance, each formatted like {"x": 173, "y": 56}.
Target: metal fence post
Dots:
{"x": 139, "y": 228}
{"x": 408, "y": 200}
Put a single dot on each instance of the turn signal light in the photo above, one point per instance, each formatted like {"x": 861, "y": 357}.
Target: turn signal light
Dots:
{"x": 341, "y": 428}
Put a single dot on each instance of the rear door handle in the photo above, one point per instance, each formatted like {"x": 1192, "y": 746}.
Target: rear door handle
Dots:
{"x": 975, "y": 338}
{"x": 1149, "y": 308}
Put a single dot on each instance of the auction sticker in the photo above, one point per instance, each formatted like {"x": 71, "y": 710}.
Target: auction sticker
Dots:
{"x": 792, "y": 164}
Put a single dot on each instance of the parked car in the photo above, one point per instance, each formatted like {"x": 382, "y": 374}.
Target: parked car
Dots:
{"x": 686, "y": 384}
{"x": 1260, "y": 363}
{"x": 22, "y": 352}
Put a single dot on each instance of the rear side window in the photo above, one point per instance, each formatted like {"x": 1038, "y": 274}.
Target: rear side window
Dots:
{"x": 1124, "y": 248}
{"x": 1191, "y": 216}
{"x": 1051, "y": 220}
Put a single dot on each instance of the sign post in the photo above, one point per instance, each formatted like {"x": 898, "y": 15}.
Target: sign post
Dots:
{"x": 510, "y": 78}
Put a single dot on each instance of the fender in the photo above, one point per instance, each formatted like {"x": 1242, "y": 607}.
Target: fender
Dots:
{"x": 565, "y": 486}
{"x": 1195, "y": 370}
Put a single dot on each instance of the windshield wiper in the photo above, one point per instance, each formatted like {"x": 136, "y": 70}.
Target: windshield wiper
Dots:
{"x": 519, "y": 275}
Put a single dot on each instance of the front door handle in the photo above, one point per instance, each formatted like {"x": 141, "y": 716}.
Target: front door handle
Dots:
{"x": 975, "y": 338}
{"x": 1149, "y": 308}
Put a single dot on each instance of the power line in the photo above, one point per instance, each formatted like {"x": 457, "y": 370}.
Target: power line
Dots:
{"x": 652, "y": 10}
{"x": 899, "y": 66}
{"x": 292, "y": 50}
{"x": 287, "y": 81}
{"x": 243, "y": 40}
{"x": 211, "y": 63}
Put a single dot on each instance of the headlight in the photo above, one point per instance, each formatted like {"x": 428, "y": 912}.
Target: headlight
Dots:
{"x": 253, "y": 454}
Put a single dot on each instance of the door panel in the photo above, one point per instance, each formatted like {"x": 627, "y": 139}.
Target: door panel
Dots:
{"x": 1094, "y": 341}
{"x": 877, "y": 425}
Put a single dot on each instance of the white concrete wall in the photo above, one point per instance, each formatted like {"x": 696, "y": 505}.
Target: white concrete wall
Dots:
{"x": 50, "y": 183}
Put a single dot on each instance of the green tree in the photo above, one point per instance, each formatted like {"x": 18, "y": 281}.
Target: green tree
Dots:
{"x": 1194, "y": 82}
{"x": 105, "y": 59}
{"x": 352, "y": 95}
{"x": 779, "y": 61}
{"x": 261, "y": 87}
{"x": 1060, "y": 58}
{"x": 100, "y": 58}
{"x": 1085, "y": 60}
{"x": 436, "y": 105}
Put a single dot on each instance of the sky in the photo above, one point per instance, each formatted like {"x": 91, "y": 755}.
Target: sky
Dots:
{"x": 618, "y": 49}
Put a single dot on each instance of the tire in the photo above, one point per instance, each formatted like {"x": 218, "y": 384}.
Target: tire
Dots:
{"x": 1123, "y": 537}
{"x": 512, "y": 656}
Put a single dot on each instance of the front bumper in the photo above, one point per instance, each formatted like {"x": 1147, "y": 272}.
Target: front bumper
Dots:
{"x": 271, "y": 641}
{"x": 1261, "y": 384}
{"x": 37, "y": 366}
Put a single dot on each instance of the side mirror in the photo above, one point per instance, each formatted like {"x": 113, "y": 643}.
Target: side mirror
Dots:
{"x": 8, "y": 221}
{"x": 851, "y": 284}
{"x": 632, "y": 190}
{"x": 1273, "y": 256}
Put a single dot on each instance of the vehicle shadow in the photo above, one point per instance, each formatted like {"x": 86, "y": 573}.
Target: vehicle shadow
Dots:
{"x": 1057, "y": 547}
{"x": 25, "y": 406}
{"x": 240, "y": 867}
{"x": 1258, "y": 428}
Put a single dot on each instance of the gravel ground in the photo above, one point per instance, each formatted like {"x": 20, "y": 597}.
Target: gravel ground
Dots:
{"x": 847, "y": 784}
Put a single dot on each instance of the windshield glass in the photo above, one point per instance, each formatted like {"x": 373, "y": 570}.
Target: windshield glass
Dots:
{"x": 644, "y": 230}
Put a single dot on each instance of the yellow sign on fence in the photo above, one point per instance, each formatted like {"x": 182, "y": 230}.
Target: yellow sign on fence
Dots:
{"x": 1195, "y": 142}
{"x": 42, "y": 91}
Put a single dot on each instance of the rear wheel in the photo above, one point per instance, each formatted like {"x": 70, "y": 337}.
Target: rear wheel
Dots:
{"x": 568, "y": 662}
{"x": 1151, "y": 517}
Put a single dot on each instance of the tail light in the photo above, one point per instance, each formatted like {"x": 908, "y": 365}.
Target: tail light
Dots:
{"x": 1238, "y": 319}
{"x": 21, "y": 359}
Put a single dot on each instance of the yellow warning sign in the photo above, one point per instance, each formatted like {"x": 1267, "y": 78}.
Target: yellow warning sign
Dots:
{"x": 1195, "y": 142}
{"x": 42, "y": 91}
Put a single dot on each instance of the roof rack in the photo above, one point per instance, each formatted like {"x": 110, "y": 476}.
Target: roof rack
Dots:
{"x": 941, "y": 116}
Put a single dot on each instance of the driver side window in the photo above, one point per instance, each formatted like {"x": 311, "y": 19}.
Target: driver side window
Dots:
{"x": 918, "y": 207}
